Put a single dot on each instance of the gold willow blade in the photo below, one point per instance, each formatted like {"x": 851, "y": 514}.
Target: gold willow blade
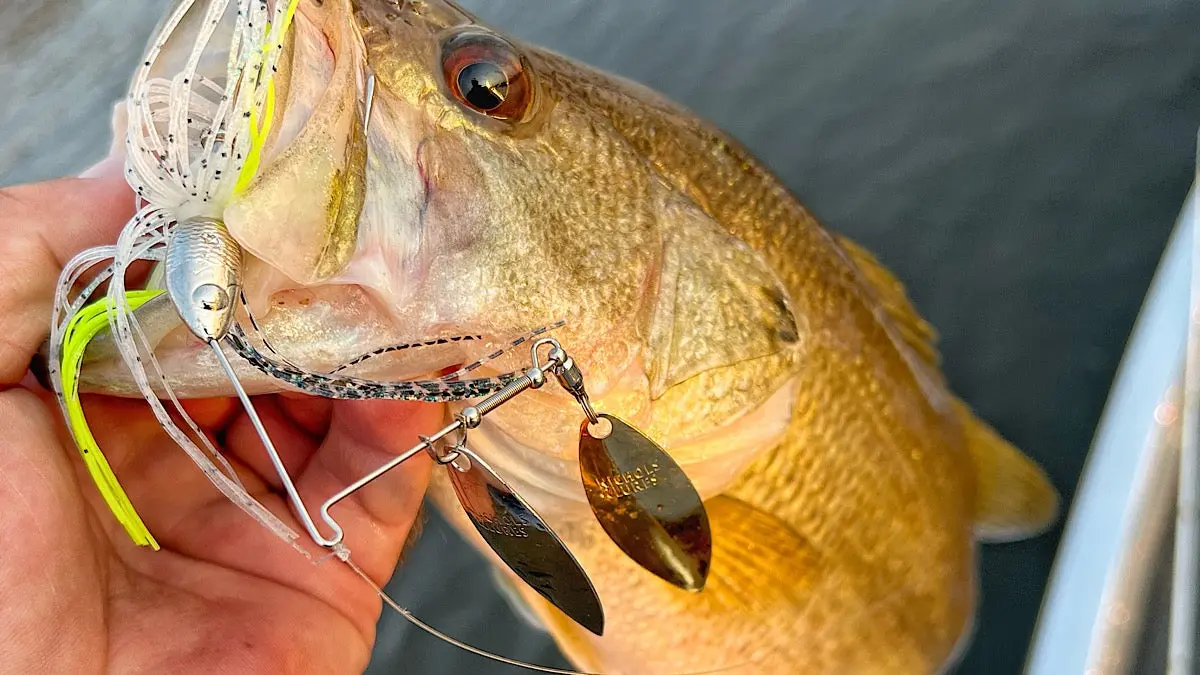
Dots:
{"x": 645, "y": 503}
{"x": 642, "y": 498}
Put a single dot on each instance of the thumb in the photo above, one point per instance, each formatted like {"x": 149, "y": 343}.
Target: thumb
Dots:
{"x": 364, "y": 435}
{"x": 107, "y": 169}
{"x": 42, "y": 226}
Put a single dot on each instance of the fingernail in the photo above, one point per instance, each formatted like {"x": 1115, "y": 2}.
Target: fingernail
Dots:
{"x": 109, "y": 167}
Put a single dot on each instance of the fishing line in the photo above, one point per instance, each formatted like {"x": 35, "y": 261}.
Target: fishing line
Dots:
{"x": 262, "y": 338}
{"x": 535, "y": 333}
{"x": 133, "y": 329}
{"x": 458, "y": 374}
{"x": 195, "y": 141}
{"x": 343, "y": 553}
{"x": 344, "y": 556}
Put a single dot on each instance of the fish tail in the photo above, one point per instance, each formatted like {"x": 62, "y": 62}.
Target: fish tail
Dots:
{"x": 1014, "y": 498}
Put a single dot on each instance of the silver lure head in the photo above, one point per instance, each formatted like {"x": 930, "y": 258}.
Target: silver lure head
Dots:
{"x": 204, "y": 276}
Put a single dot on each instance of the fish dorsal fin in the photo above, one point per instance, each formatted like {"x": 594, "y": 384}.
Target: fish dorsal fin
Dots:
{"x": 719, "y": 303}
{"x": 916, "y": 331}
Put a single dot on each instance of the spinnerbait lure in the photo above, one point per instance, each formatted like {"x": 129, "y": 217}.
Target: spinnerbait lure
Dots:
{"x": 195, "y": 139}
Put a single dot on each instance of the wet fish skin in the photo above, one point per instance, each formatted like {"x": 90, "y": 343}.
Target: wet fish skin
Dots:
{"x": 781, "y": 366}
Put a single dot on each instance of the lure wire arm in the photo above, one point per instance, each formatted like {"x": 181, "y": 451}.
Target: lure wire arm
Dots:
{"x": 202, "y": 279}
{"x": 288, "y": 484}
{"x": 557, "y": 362}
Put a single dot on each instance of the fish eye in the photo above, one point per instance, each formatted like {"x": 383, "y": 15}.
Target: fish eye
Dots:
{"x": 486, "y": 74}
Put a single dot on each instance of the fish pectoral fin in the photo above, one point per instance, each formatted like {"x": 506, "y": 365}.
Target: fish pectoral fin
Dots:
{"x": 774, "y": 603}
{"x": 917, "y": 333}
{"x": 719, "y": 303}
{"x": 1014, "y": 498}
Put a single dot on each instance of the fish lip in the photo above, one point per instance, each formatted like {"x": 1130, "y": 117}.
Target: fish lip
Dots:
{"x": 189, "y": 366}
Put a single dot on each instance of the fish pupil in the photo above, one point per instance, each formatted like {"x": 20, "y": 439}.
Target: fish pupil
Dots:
{"x": 484, "y": 85}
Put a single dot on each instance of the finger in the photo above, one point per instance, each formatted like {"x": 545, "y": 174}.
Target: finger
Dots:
{"x": 310, "y": 413}
{"x": 53, "y": 576}
{"x": 41, "y": 227}
{"x": 294, "y": 445}
{"x": 213, "y": 414}
{"x": 364, "y": 435}
{"x": 162, "y": 481}
{"x": 178, "y": 503}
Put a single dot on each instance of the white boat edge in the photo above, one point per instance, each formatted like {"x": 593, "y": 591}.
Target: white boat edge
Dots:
{"x": 1106, "y": 523}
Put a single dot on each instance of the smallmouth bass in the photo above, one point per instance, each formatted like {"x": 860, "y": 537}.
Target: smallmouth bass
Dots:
{"x": 781, "y": 366}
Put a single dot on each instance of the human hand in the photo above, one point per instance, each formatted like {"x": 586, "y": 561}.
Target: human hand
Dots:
{"x": 223, "y": 595}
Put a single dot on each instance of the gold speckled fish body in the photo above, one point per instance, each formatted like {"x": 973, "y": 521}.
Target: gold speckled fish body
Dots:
{"x": 781, "y": 366}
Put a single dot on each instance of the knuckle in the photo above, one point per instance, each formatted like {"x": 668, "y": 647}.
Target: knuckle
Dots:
{"x": 18, "y": 204}
{"x": 20, "y": 240}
